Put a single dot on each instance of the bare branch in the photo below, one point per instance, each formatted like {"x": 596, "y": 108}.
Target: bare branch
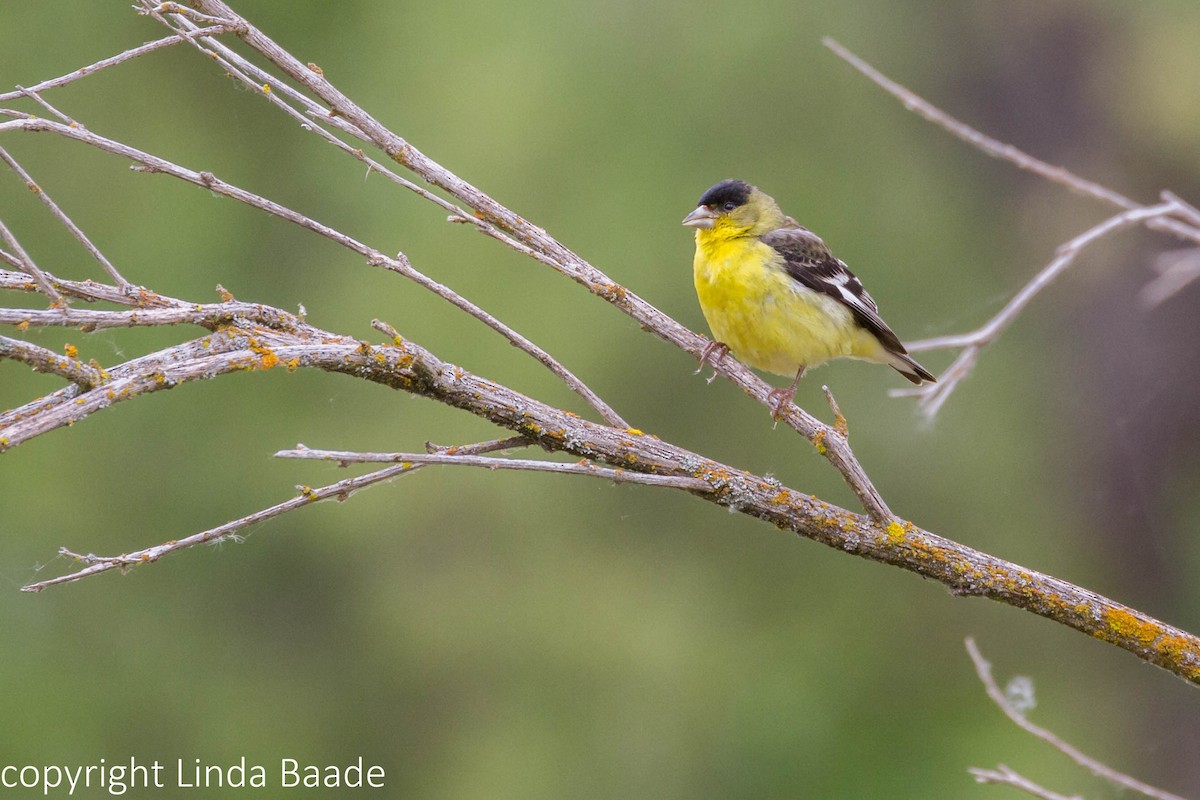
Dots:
{"x": 210, "y": 315}
{"x": 37, "y": 98}
{"x": 105, "y": 63}
{"x": 24, "y": 263}
{"x": 63, "y": 218}
{"x": 85, "y": 290}
{"x": 1163, "y": 218}
{"x": 615, "y": 475}
{"x": 984, "y": 670}
{"x": 43, "y": 360}
{"x": 934, "y": 395}
{"x": 407, "y": 366}
{"x": 1004, "y": 775}
{"x": 341, "y": 491}
{"x": 998, "y": 149}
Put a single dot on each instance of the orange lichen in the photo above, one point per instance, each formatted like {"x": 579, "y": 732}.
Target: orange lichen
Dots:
{"x": 293, "y": 364}
{"x": 1127, "y": 626}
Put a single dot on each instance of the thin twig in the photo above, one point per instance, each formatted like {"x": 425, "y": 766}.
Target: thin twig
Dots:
{"x": 1003, "y": 151}
{"x": 37, "y": 189}
{"x": 584, "y": 468}
{"x": 41, "y": 101}
{"x": 83, "y": 72}
{"x": 26, "y": 265}
{"x": 987, "y": 144}
{"x": 934, "y": 395}
{"x": 1004, "y": 775}
{"x": 984, "y": 670}
{"x": 342, "y": 490}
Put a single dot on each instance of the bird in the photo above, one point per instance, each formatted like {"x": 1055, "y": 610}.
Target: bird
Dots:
{"x": 773, "y": 293}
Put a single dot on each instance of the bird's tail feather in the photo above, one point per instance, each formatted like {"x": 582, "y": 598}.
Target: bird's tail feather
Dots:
{"x": 907, "y": 366}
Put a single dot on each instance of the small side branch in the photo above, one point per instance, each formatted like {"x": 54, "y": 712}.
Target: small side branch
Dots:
{"x": 584, "y": 468}
{"x": 934, "y": 395}
{"x": 1009, "y": 777}
{"x": 340, "y": 491}
{"x": 984, "y": 670}
{"x": 43, "y": 360}
{"x": 24, "y": 263}
{"x": 105, "y": 63}
{"x": 64, "y": 219}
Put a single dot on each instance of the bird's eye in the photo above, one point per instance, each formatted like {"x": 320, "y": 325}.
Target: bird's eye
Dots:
{"x": 728, "y": 205}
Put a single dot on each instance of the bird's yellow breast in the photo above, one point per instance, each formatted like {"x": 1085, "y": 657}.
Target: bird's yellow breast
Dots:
{"x": 769, "y": 320}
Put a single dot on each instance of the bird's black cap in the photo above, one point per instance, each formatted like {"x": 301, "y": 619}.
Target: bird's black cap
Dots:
{"x": 732, "y": 190}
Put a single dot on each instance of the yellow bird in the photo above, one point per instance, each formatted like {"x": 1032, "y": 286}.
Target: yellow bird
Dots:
{"x": 774, "y": 294}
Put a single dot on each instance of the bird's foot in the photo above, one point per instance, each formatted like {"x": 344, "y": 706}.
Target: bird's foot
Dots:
{"x": 780, "y": 399}
{"x": 707, "y": 357}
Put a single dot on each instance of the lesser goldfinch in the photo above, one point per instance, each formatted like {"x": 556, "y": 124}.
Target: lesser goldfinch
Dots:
{"x": 775, "y": 295}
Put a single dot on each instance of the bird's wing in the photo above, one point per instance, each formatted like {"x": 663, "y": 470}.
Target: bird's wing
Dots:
{"x": 808, "y": 261}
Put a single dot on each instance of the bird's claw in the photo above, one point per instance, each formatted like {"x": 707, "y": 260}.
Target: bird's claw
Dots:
{"x": 780, "y": 399}
{"x": 706, "y": 357}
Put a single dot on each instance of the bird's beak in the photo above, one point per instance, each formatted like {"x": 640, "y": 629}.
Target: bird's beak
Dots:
{"x": 702, "y": 217}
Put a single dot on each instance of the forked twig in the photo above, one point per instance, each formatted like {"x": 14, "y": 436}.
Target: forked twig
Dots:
{"x": 342, "y": 490}
{"x": 1009, "y": 777}
{"x": 934, "y": 395}
{"x": 59, "y": 214}
{"x": 984, "y": 670}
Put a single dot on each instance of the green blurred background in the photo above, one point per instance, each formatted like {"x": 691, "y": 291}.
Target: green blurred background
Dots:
{"x": 493, "y": 635}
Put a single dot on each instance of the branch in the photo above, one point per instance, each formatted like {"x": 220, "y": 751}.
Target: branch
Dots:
{"x": 23, "y": 262}
{"x": 1176, "y": 271}
{"x": 105, "y": 63}
{"x": 63, "y": 218}
{"x": 407, "y": 366}
{"x": 1004, "y": 775}
{"x": 43, "y": 360}
{"x": 1165, "y": 217}
{"x": 934, "y": 395}
{"x": 340, "y": 491}
{"x": 984, "y": 670}
{"x": 998, "y": 149}
{"x": 344, "y": 457}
